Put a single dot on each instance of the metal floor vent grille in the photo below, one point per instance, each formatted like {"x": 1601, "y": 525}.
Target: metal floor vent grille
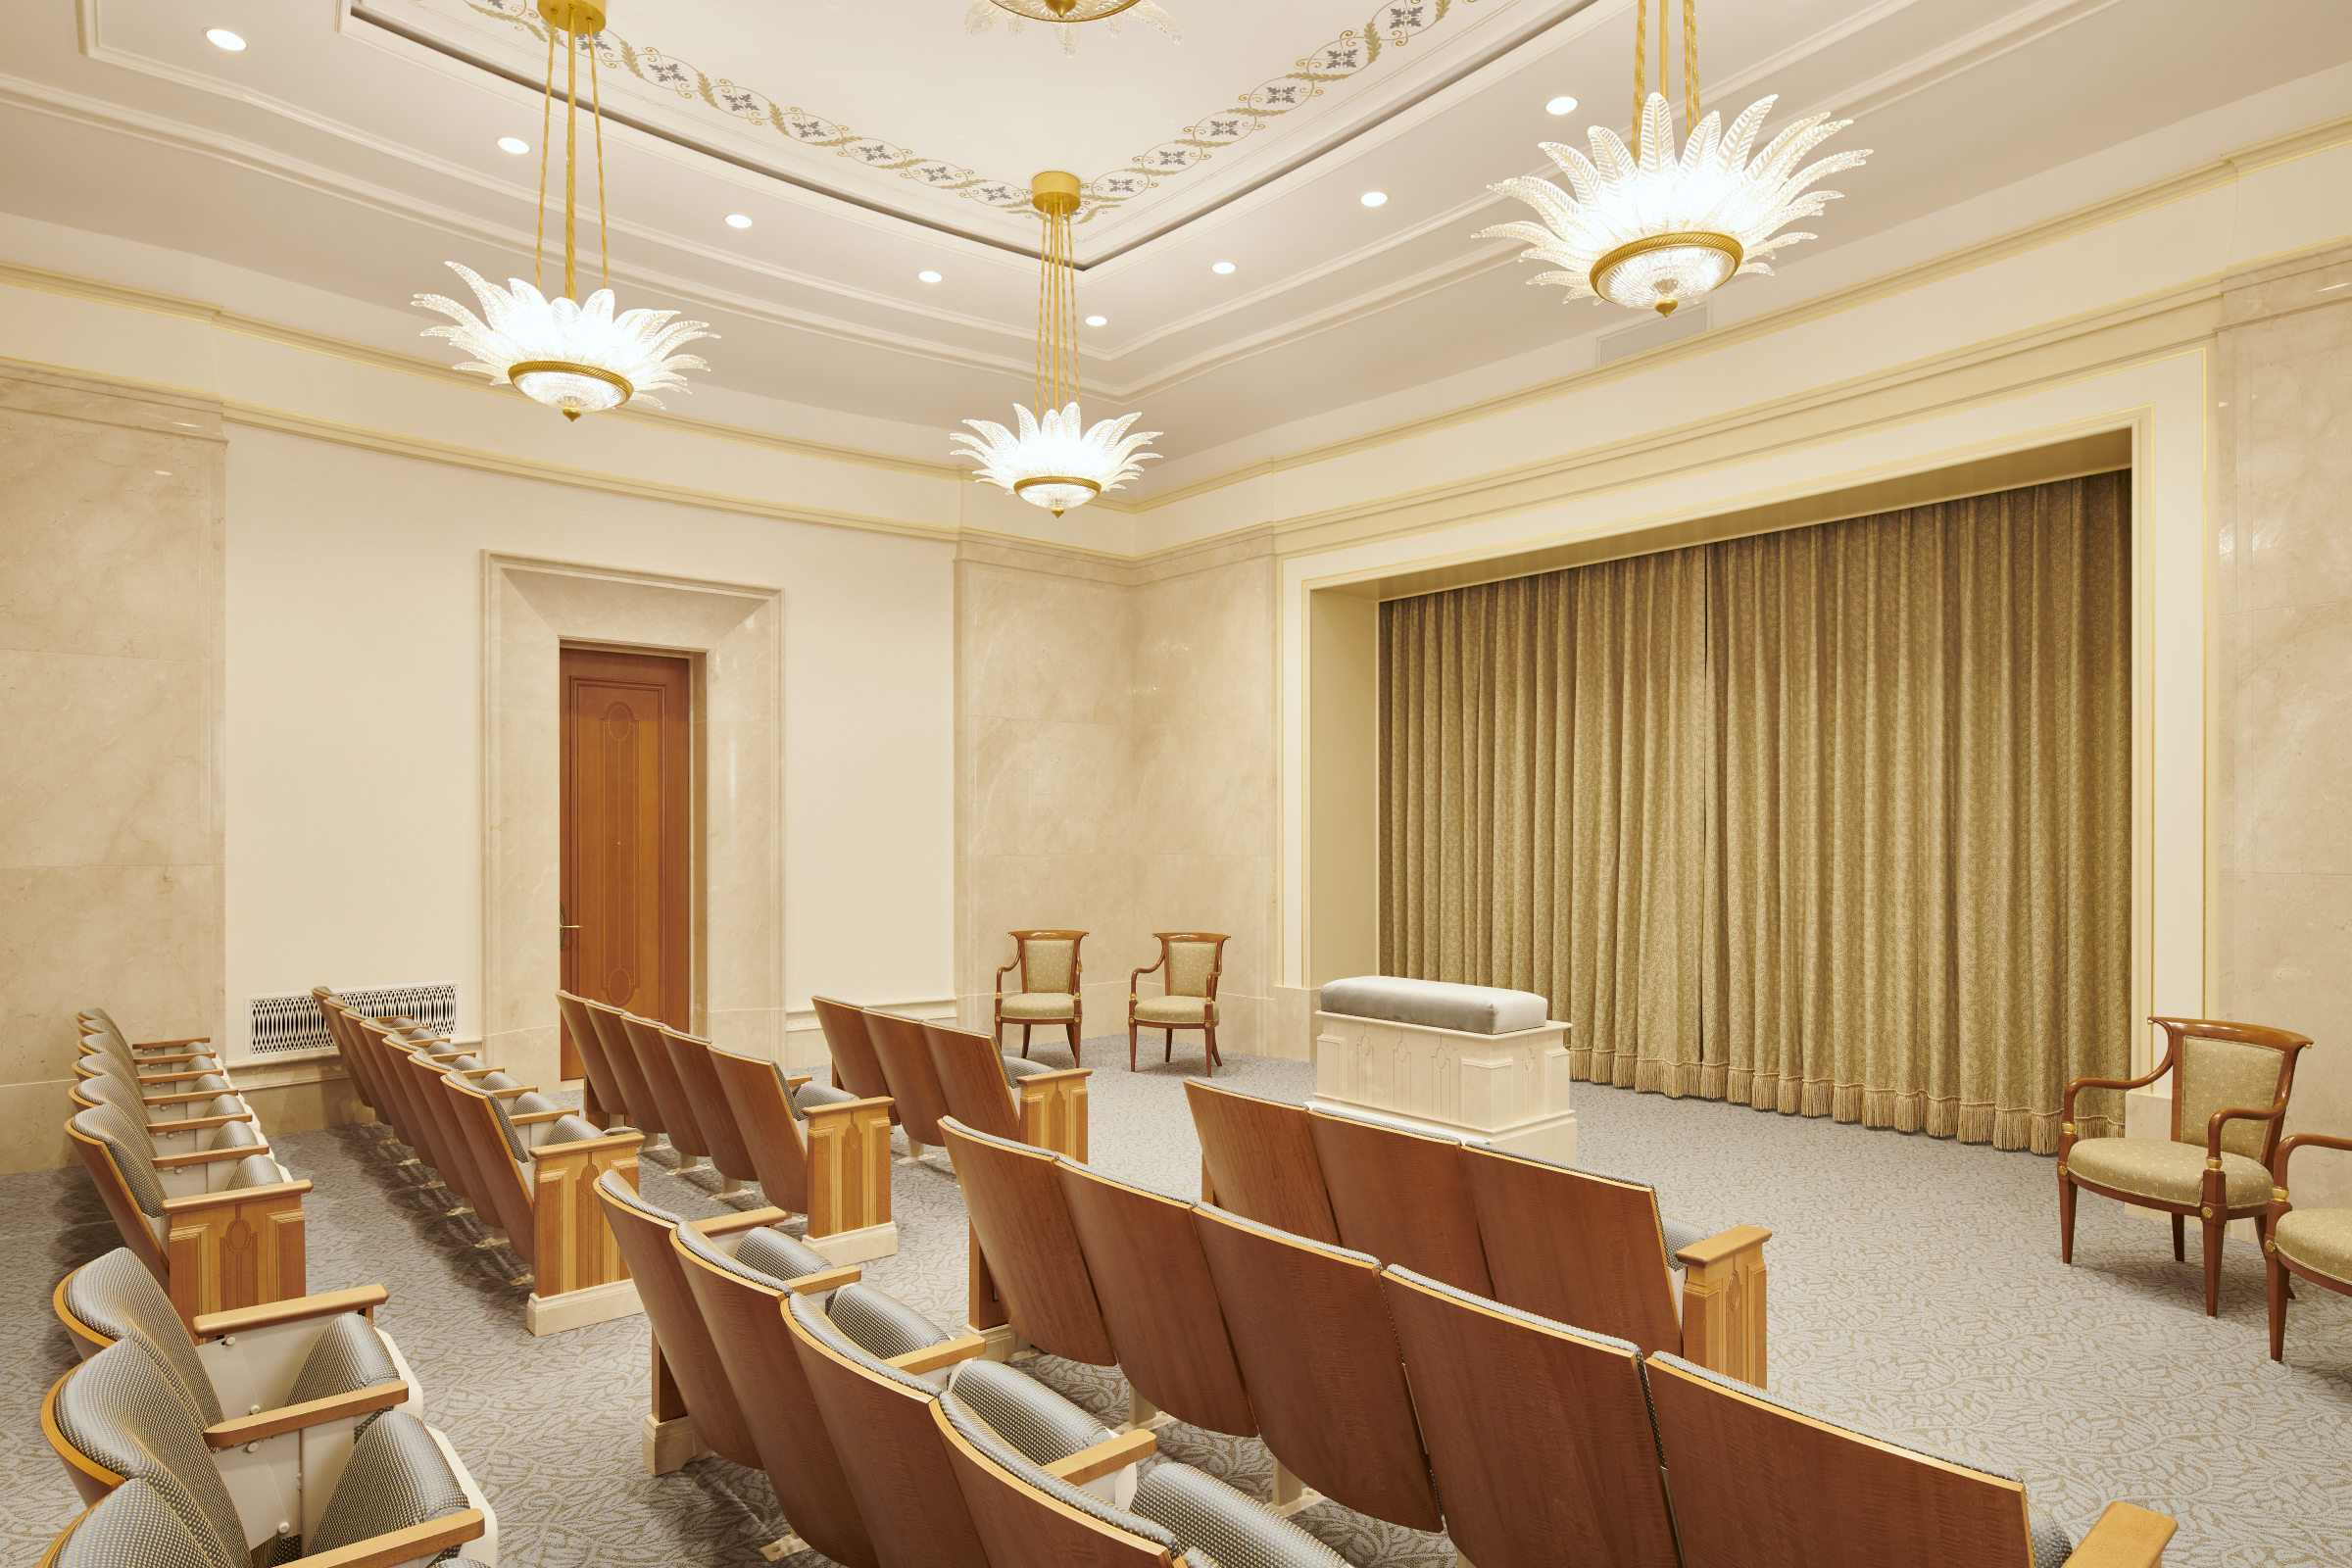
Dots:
{"x": 278, "y": 1026}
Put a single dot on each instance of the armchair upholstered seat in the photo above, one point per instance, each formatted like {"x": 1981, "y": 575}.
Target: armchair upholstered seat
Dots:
{"x": 2230, "y": 1083}
{"x": 1190, "y": 964}
{"x": 2314, "y": 1243}
{"x": 397, "y": 1494}
{"x": 1050, "y": 975}
{"x": 1026, "y": 1513}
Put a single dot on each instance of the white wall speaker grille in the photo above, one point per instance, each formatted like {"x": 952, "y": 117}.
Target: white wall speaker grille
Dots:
{"x": 280, "y": 1027}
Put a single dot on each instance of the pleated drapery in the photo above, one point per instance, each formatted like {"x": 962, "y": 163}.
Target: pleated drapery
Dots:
{"x": 1834, "y": 821}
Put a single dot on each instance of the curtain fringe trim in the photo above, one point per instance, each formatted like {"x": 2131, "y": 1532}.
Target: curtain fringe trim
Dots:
{"x": 1908, "y": 1111}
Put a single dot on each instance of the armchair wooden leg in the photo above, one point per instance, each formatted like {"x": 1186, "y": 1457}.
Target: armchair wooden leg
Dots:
{"x": 1167, "y": 1045}
{"x": 1208, "y": 1051}
{"x": 1024, "y": 1041}
{"x": 2179, "y": 1237}
{"x": 2213, "y": 1266}
{"x": 1000, "y": 1038}
{"x": 2066, "y": 1218}
{"x": 1131, "y": 1044}
{"x": 2277, "y": 1285}
{"x": 1073, "y": 1034}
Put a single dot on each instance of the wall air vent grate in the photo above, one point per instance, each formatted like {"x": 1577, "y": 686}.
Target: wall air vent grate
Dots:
{"x": 283, "y": 1026}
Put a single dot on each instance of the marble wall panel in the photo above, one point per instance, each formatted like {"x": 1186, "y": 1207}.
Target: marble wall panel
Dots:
{"x": 111, "y": 842}
{"x": 1031, "y": 645}
{"x": 2282, "y": 912}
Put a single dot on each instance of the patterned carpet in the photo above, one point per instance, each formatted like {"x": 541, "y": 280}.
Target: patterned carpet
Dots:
{"x": 1915, "y": 1286}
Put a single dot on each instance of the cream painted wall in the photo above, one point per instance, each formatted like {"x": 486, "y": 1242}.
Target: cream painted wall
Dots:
{"x": 355, "y": 716}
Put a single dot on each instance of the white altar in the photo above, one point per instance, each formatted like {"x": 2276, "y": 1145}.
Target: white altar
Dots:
{"x": 1508, "y": 1090}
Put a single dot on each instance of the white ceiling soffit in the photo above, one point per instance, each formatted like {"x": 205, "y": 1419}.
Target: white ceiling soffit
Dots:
{"x": 356, "y": 157}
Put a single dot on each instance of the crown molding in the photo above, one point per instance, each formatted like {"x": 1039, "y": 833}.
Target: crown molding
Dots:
{"x": 2033, "y": 236}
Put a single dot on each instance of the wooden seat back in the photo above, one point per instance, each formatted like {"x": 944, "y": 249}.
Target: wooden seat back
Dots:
{"x": 681, "y": 1339}
{"x": 401, "y": 1107}
{"x": 1259, "y": 1161}
{"x": 1023, "y": 1230}
{"x": 1017, "y": 1523}
{"x": 971, "y": 1081}
{"x": 333, "y": 1014}
{"x": 1152, "y": 1282}
{"x": 856, "y": 1067}
{"x": 1402, "y": 1197}
{"x": 604, "y": 1087}
{"x": 508, "y": 1193}
{"x": 661, "y": 1074}
{"x": 773, "y": 1141}
{"x": 892, "y": 1456}
{"x": 905, "y": 1058}
{"x": 1758, "y": 1485}
{"x": 714, "y": 1117}
{"x": 744, "y": 1320}
{"x": 637, "y": 1103}
{"x": 1520, "y": 1474}
{"x": 1576, "y": 1247}
{"x": 1310, "y": 1332}
{"x": 429, "y": 1128}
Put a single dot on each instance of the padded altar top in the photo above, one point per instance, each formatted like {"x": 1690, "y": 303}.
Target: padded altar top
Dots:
{"x": 1437, "y": 1005}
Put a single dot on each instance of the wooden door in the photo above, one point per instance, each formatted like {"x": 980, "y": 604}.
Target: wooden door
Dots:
{"x": 627, "y": 820}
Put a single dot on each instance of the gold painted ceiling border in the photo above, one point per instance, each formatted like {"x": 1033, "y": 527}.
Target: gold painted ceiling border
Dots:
{"x": 1390, "y": 26}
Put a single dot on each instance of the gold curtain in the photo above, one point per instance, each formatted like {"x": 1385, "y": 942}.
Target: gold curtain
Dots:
{"x": 1834, "y": 821}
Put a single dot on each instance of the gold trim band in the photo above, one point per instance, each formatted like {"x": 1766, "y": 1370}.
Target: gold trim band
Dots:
{"x": 1597, "y": 278}
{"x": 1056, "y": 478}
{"x": 564, "y": 366}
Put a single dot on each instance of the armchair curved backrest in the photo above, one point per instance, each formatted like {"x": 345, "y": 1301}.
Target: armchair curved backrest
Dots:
{"x": 1194, "y": 960}
{"x": 2231, "y": 1067}
{"x": 1048, "y": 961}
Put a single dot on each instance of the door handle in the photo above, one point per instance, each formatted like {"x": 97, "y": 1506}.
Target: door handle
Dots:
{"x": 564, "y": 926}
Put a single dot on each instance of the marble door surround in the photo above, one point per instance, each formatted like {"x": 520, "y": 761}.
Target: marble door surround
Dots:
{"x": 735, "y": 635}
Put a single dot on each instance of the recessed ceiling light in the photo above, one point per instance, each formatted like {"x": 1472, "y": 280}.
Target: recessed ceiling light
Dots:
{"x": 225, "y": 39}
{"x": 738, "y": 220}
{"x": 1560, "y": 106}
{"x": 928, "y": 277}
{"x": 1098, "y": 320}
{"x": 1222, "y": 267}
{"x": 1374, "y": 198}
{"x": 515, "y": 144}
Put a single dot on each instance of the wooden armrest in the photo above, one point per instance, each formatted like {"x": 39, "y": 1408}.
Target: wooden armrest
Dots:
{"x": 2125, "y": 1537}
{"x": 474, "y": 1072}
{"x": 1715, "y": 1248}
{"x": 1092, "y": 1465}
{"x": 166, "y": 1060}
{"x": 327, "y": 1303}
{"x": 1002, "y": 973}
{"x": 751, "y": 1220}
{"x": 190, "y": 1040}
{"x": 2212, "y": 1127}
{"x": 588, "y": 1146}
{"x": 208, "y": 1157}
{"x": 931, "y": 1357}
{"x": 829, "y": 1279}
{"x": 842, "y": 1107}
{"x": 229, "y": 1200}
{"x": 1057, "y": 1076}
{"x": 516, "y": 1093}
{"x": 1140, "y": 974}
{"x": 239, "y": 1430}
{"x": 437, "y": 1056}
{"x": 177, "y": 1077}
{"x": 2315, "y": 1140}
{"x": 794, "y": 1081}
{"x": 194, "y": 1124}
{"x": 183, "y": 1099}
{"x": 404, "y": 1546}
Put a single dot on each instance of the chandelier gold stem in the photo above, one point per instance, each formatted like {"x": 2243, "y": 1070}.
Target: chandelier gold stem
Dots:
{"x": 603, "y": 242}
{"x": 1690, "y": 63}
{"x": 1641, "y": 60}
{"x": 571, "y": 163}
{"x": 547, "y": 110}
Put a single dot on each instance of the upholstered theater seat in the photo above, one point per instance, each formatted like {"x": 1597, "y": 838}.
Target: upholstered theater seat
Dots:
{"x": 397, "y": 1494}
{"x": 289, "y": 1353}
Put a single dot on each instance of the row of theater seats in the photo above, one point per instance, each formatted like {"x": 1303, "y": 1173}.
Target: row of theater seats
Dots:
{"x": 892, "y": 1443}
{"x": 1414, "y": 1401}
{"x": 1571, "y": 1245}
{"x": 176, "y": 1156}
{"x": 930, "y": 1070}
{"x": 292, "y": 1430}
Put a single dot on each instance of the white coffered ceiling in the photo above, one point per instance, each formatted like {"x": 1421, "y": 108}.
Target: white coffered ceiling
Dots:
{"x": 352, "y": 149}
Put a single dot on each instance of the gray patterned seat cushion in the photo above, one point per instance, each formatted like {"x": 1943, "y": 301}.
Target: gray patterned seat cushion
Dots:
{"x": 347, "y": 1354}
{"x": 133, "y": 1528}
{"x": 1437, "y": 1005}
{"x": 1038, "y": 1422}
{"x": 530, "y": 1104}
{"x": 612, "y": 1186}
{"x": 974, "y": 1430}
{"x": 115, "y": 1295}
{"x": 766, "y": 1258}
{"x": 121, "y": 1409}
{"x": 257, "y": 1170}
{"x": 1019, "y": 1068}
{"x": 128, "y": 1146}
{"x": 1206, "y": 1515}
{"x": 397, "y": 1477}
{"x": 880, "y": 1325}
{"x": 810, "y": 1313}
{"x": 234, "y": 1135}
{"x": 569, "y": 1129}
{"x": 813, "y": 1093}
{"x": 2049, "y": 1540}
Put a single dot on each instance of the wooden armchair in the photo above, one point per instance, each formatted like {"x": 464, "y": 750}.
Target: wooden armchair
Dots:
{"x": 2315, "y": 1243}
{"x": 1050, "y": 980}
{"x": 2229, "y": 1090}
{"x": 1189, "y": 964}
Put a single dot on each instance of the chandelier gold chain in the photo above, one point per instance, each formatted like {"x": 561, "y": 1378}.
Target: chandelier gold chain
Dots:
{"x": 604, "y": 241}
{"x": 547, "y": 110}
{"x": 1690, "y": 63}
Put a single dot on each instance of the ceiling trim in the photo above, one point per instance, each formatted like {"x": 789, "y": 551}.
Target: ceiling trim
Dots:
{"x": 2159, "y": 193}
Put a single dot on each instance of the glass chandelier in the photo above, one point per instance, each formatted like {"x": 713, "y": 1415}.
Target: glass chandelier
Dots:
{"x": 579, "y": 357}
{"x": 1063, "y": 17}
{"x": 1651, "y": 232}
{"x": 1056, "y": 461}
